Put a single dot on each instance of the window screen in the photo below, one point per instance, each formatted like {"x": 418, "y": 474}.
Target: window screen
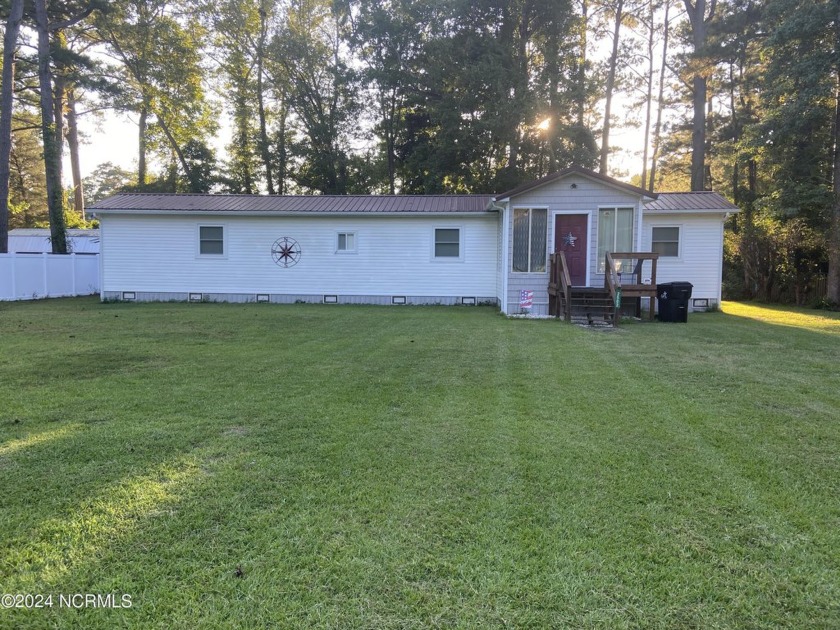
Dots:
{"x": 211, "y": 240}
{"x": 447, "y": 243}
{"x": 665, "y": 241}
{"x": 529, "y": 239}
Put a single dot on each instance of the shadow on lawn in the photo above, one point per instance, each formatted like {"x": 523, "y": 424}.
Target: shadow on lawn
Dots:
{"x": 118, "y": 502}
{"x": 78, "y": 365}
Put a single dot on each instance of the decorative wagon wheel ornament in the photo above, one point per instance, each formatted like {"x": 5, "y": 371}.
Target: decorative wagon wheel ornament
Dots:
{"x": 285, "y": 252}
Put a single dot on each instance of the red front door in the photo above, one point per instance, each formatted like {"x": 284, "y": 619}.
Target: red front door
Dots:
{"x": 570, "y": 238}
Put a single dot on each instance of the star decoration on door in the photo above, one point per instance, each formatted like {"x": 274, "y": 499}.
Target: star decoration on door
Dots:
{"x": 569, "y": 239}
{"x": 285, "y": 252}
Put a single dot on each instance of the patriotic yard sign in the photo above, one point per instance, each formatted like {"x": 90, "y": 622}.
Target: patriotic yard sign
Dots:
{"x": 526, "y": 299}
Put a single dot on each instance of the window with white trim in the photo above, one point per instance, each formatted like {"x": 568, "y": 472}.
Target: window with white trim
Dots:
{"x": 615, "y": 232}
{"x": 211, "y": 240}
{"x": 447, "y": 242}
{"x": 665, "y": 241}
{"x": 530, "y": 227}
{"x": 345, "y": 243}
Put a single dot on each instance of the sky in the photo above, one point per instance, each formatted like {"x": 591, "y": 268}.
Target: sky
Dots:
{"x": 114, "y": 139}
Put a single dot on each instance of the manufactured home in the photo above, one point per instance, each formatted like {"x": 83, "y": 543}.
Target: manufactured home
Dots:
{"x": 573, "y": 225}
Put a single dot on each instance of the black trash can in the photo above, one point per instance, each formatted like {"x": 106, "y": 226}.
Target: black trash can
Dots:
{"x": 672, "y": 301}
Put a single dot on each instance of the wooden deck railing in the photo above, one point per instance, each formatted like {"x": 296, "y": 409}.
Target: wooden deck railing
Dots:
{"x": 640, "y": 285}
{"x": 610, "y": 283}
{"x": 559, "y": 287}
{"x": 633, "y": 284}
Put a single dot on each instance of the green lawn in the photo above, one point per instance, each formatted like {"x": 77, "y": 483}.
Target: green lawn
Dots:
{"x": 294, "y": 466}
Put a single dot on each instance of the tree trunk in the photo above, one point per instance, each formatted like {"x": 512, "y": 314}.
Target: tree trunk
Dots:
{"x": 649, "y": 95}
{"x": 73, "y": 144}
{"x": 736, "y": 136}
{"x": 748, "y": 248}
{"x": 282, "y": 153}
{"x": 605, "y": 136}
{"x": 581, "y": 69}
{"x": 833, "y": 281}
{"x": 142, "y": 125}
{"x": 7, "y": 91}
{"x": 52, "y": 147}
{"x": 265, "y": 154}
{"x": 698, "y": 135}
{"x": 59, "y": 93}
{"x": 182, "y": 160}
{"x": 697, "y": 17}
{"x": 390, "y": 128}
{"x": 660, "y": 101}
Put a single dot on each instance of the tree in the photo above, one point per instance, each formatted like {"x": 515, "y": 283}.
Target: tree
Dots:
{"x": 700, "y": 13}
{"x": 660, "y": 101}
{"x": 385, "y": 35}
{"x": 107, "y": 179}
{"x": 801, "y": 110}
{"x": 51, "y": 24}
{"x": 618, "y": 17}
{"x": 157, "y": 44}
{"x": 240, "y": 32}
{"x": 10, "y": 39}
{"x": 321, "y": 89}
{"x": 51, "y": 140}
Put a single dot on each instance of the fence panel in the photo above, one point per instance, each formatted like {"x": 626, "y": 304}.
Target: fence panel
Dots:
{"x": 34, "y": 276}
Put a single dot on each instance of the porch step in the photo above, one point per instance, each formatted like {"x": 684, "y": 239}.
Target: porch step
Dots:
{"x": 592, "y": 306}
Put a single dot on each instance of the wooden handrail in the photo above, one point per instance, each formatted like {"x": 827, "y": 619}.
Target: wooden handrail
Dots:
{"x": 609, "y": 282}
{"x": 636, "y": 287}
{"x": 566, "y": 281}
{"x": 641, "y": 257}
{"x": 559, "y": 285}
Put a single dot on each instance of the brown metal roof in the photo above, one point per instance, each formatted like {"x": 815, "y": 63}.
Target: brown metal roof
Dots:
{"x": 576, "y": 170}
{"x": 696, "y": 201}
{"x": 178, "y": 202}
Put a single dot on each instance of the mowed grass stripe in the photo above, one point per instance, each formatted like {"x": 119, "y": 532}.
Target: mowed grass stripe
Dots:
{"x": 419, "y": 467}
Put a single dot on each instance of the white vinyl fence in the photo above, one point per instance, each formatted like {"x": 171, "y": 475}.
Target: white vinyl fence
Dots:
{"x": 33, "y": 276}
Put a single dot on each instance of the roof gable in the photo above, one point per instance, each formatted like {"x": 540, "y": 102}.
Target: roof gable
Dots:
{"x": 576, "y": 170}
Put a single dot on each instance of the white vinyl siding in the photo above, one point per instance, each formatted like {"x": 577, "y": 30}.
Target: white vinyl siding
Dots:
{"x": 395, "y": 259}
{"x": 701, "y": 251}
{"x": 530, "y": 229}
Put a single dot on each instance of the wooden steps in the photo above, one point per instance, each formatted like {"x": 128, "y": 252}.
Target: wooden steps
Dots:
{"x": 592, "y": 306}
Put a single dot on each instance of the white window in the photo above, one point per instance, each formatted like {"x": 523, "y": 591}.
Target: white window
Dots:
{"x": 447, "y": 242}
{"x": 530, "y": 227}
{"x": 211, "y": 240}
{"x": 615, "y": 232}
{"x": 665, "y": 241}
{"x": 345, "y": 243}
